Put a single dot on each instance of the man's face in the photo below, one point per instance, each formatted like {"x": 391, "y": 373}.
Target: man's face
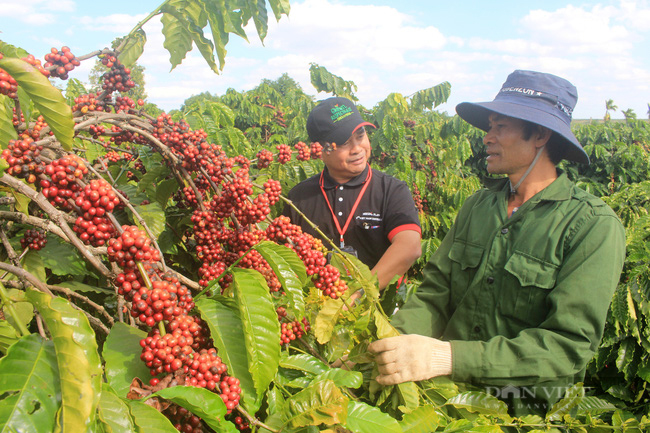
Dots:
{"x": 349, "y": 159}
{"x": 508, "y": 152}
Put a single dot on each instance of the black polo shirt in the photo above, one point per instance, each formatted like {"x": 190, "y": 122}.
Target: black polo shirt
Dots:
{"x": 385, "y": 209}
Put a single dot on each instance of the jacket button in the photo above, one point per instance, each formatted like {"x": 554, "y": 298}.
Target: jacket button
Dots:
{"x": 477, "y": 329}
{"x": 504, "y": 230}
{"x": 490, "y": 280}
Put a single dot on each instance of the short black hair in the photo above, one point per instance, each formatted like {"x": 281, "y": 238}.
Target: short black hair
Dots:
{"x": 555, "y": 146}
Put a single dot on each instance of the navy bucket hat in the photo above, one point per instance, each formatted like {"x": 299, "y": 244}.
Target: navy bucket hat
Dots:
{"x": 540, "y": 98}
{"x": 334, "y": 120}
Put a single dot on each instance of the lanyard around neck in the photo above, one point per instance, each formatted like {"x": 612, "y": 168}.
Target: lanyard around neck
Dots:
{"x": 354, "y": 207}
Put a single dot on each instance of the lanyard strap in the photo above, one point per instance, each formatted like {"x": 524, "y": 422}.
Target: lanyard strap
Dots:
{"x": 354, "y": 207}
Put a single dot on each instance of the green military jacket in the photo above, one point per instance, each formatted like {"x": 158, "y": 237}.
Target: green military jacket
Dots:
{"x": 523, "y": 300}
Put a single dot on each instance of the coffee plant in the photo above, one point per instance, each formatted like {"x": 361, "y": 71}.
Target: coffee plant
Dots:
{"x": 151, "y": 284}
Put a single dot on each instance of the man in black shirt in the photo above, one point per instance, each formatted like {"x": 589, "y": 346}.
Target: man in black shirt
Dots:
{"x": 362, "y": 210}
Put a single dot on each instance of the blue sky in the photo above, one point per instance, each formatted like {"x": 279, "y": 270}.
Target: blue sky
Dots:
{"x": 383, "y": 46}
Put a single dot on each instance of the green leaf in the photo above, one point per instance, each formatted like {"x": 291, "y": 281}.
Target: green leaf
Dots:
{"x": 201, "y": 402}
{"x": 3, "y": 166}
{"x": 219, "y": 19}
{"x": 348, "y": 379}
{"x": 23, "y": 309}
{"x": 72, "y": 90}
{"x": 62, "y": 258}
{"x": 114, "y": 412}
{"x": 358, "y": 272}
{"x": 572, "y": 398}
{"x": 384, "y": 328}
{"x": 304, "y": 362}
{"x": 280, "y": 7}
{"x": 260, "y": 324}
{"x": 409, "y": 395}
{"x": 431, "y": 97}
{"x": 322, "y": 402}
{"x": 324, "y": 81}
{"x": 76, "y": 286}
{"x": 423, "y": 419}
{"x": 47, "y": 99}
{"x": 7, "y": 131}
{"x": 149, "y": 420}
{"x": 595, "y": 405}
{"x": 363, "y": 418}
{"x": 153, "y": 216}
{"x": 257, "y": 9}
{"x": 222, "y": 316}
{"x": 29, "y": 384}
{"x": 326, "y": 319}
{"x": 133, "y": 48}
{"x": 165, "y": 190}
{"x": 476, "y": 401}
{"x": 75, "y": 345}
{"x": 33, "y": 264}
{"x": 290, "y": 271}
{"x": 182, "y": 25}
{"x": 178, "y": 40}
{"x": 8, "y": 335}
{"x": 121, "y": 354}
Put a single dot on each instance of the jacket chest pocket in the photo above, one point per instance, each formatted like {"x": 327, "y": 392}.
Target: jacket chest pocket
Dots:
{"x": 465, "y": 260}
{"x": 528, "y": 284}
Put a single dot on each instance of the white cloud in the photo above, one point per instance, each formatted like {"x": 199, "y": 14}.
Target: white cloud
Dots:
{"x": 115, "y": 23}
{"x": 32, "y": 11}
{"x": 635, "y": 14}
{"x": 339, "y": 34}
{"x": 572, "y": 30}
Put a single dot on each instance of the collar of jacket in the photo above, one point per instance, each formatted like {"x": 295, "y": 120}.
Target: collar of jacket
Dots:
{"x": 559, "y": 190}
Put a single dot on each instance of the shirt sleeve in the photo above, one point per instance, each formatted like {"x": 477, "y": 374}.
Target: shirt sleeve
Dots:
{"x": 570, "y": 333}
{"x": 402, "y": 215}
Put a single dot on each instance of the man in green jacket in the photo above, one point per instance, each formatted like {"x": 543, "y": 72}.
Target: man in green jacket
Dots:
{"x": 515, "y": 298}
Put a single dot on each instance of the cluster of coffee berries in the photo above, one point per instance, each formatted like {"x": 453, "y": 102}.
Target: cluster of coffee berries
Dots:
{"x": 118, "y": 78}
{"x": 37, "y": 64}
{"x": 289, "y": 331}
{"x": 273, "y": 189}
{"x": 304, "y": 152}
{"x": 62, "y": 185}
{"x": 8, "y": 85}
{"x": 132, "y": 246}
{"x": 409, "y": 123}
{"x": 127, "y": 282}
{"x": 60, "y": 62}
{"x": 284, "y": 153}
{"x": 34, "y": 239}
{"x": 123, "y": 104}
{"x": 241, "y": 424}
{"x": 264, "y": 158}
{"x": 24, "y": 160}
{"x": 316, "y": 150}
{"x": 278, "y": 116}
{"x": 329, "y": 282}
{"x": 183, "y": 420}
{"x": 309, "y": 249}
{"x": 155, "y": 305}
{"x": 34, "y": 131}
{"x": 89, "y": 102}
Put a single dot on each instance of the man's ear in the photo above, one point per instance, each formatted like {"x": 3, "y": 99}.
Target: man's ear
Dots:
{"x": 542, "y": 135}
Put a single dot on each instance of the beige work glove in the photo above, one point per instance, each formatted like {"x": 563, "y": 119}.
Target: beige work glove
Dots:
{"x": 410, "y": 358}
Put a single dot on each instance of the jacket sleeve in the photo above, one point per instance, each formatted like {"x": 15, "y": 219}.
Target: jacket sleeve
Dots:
{"x": 426, "y": 311}
{"x": 570, "y": 333}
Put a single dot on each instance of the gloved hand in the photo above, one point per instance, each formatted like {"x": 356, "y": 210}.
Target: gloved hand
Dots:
{"x": 410, "y": 358}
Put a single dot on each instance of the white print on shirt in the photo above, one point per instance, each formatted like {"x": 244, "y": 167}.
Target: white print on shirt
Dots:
{"x": 369, "y": 220}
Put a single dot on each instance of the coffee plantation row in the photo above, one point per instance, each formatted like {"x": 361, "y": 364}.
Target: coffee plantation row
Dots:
{"x": 149, "y": 283}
